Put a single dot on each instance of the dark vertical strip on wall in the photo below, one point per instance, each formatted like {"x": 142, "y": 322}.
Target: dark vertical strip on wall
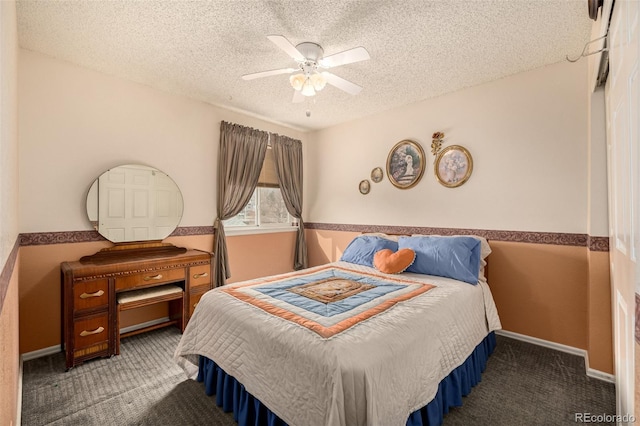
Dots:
{"x": 7, "y": 272}
{"x": 638, "y": 318}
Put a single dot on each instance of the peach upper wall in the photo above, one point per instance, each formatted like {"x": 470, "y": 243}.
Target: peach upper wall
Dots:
{"x": 76, "y": 123}
{"x": 527, "y": 134}
{"x": 8, "y": 129}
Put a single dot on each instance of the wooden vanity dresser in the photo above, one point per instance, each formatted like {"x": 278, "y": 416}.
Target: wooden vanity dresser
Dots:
{"x": 91, "y": 286}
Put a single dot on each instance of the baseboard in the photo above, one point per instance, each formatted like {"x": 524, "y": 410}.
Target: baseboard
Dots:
{"x": 143, "y": 325}
{"x": 541, "y": 342}
{"x": 601, "y": 375}
{"x": 58, "y": 348}
{"x": 595, "y": 374}
{"x": 19, "y": 403}
{"x": 27, "y": 356}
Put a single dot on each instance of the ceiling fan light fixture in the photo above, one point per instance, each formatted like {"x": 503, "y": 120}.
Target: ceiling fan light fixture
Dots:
{"x": 318, "y": 81}
{"x": 309, "y": 57}
{"x": 297, "y": 81}
{"x": 307, "y": 88}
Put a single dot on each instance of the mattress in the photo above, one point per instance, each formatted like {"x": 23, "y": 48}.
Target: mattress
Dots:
{"x": 372, "y": 356}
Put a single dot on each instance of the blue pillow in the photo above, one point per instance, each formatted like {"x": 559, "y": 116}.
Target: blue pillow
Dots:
{"x": 451, "y": 257}
{"x": 361, "y": 250}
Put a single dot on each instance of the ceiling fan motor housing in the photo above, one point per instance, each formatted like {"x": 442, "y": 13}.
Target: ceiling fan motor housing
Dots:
{"x": 311, "y": 51}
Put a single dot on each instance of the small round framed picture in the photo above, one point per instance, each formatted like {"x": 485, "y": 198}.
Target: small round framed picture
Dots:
{"x": 377, "y": 174}
{"x": 453, "y": 166}
{"x": 364, "y": 187}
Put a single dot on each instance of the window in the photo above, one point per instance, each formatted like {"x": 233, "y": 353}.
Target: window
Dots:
{"x": 266, "y": 208}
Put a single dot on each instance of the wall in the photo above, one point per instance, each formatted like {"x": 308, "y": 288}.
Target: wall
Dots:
{"x": 536, "y": 190}
{"x": 599, "y": 290}
{"x": 76, "y": 123}
{"x": 9, "y": 355}
{"x": 8, "y": 131}
{"x": 527, "y": 134}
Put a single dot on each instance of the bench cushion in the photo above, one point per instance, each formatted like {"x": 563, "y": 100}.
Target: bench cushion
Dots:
{"x": 147, "y": 293}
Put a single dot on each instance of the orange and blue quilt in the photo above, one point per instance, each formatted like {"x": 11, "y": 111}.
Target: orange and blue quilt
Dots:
{"x": 328, "y": 300}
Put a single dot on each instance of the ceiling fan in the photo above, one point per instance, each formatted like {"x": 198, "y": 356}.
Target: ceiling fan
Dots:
{"x": 309, "y": 77}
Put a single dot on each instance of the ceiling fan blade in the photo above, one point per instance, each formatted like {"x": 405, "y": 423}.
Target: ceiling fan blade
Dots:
{"x": 341, "y": 83}
{"x": 286, "y": 45}
{"x": 298, "y": 97}
{"x": 269, "y": 73}
{"x": 350, "y": 56}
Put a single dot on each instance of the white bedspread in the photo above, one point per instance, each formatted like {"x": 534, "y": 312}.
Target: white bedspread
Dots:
{"x": 375, "y": 373}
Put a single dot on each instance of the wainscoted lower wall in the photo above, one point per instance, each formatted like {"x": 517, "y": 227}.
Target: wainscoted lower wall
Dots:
{"x": 551, "y": 286}
{"x": 637, "y": 363}
{"x": 599, "y": 314}
{"x": 9, "y": 353}
{"x": 250, "y": 256}
{"x": 9, "y": 212}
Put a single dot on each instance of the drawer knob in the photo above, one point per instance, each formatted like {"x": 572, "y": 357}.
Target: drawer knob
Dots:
{"x": 204, "y": 274}
{"x": 88, "y": 295}
{"x": 86, "y": 333}
{"x": 153, "y": 277}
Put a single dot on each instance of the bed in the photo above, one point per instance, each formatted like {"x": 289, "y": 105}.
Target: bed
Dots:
{"x": 347, "y": 344}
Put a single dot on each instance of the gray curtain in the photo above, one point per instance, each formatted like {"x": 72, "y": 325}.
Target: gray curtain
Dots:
{"x": 242, "y": 151}
{"x": 287, "y": 154}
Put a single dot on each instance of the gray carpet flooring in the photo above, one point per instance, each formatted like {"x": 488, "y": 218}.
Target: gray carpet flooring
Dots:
{"x": 523, "y": 385}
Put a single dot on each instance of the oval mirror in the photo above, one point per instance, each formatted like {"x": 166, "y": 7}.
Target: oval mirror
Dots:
{"x": 134, "y": 203}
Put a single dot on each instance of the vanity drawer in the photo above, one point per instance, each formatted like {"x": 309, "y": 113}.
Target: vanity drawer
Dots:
{"x": 91, "y": 330}
{"x": 150, "y": 278}
{"x": 90, "y": 294}
{"x": 199, "y": 275}
{"x": 194, "y": 299}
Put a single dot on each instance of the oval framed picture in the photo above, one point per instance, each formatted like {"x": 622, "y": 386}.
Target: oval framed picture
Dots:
{"x": 405, "y": 164}
{"x": 377, "y": 174}
{"x": 364, "y": 187}
{"x": 453, "y": 166}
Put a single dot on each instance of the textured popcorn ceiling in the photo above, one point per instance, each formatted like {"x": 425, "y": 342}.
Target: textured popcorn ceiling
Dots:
{"x": 419, "y": 49}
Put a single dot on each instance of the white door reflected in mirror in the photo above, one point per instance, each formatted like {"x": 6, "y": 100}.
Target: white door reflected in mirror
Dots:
{"x": 134, "y": 203}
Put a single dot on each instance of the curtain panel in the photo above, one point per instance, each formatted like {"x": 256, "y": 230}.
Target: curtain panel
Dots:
{"x": 288, "y": 161}
{"x": 242, "y": 152}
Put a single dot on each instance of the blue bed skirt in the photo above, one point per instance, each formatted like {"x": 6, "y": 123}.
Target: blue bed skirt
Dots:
{"x": 249, "y": 411}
